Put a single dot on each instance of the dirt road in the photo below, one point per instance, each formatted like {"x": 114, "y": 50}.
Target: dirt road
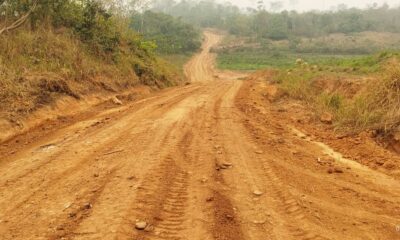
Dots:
{"x": 204, "y": 161}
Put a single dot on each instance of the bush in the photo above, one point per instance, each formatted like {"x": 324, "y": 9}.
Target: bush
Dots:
{"x": 83, "y": 50}
{"x": 171, "y": 35}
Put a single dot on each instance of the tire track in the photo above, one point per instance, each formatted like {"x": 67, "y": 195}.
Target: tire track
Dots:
{"x": 163, "y": 196}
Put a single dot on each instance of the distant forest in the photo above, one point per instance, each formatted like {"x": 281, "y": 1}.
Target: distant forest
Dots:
{"x": 277, "y": 25}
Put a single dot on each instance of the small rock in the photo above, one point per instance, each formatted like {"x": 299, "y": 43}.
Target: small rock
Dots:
{"x": 338, "y": 170}
{"x": 67, "y": 205}
{"x": 60, "y": 228}
{"x": 335, "y": 170}
{"x": 258, "y": 193}
{"x": 116, "y": 101}
{"x": 141, "y": 225}
{"x": 259, "y": 152}
{"x": 259, "y": 222}
{"x": 87, "y": 206}
{"x": 227, "y": 164}
{"x": 210, "y": 199}
{"x": 96, "y": 175}
{"x": 326, "y": 118}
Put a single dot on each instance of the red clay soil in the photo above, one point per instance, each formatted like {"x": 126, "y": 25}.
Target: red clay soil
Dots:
{"x": 211, "y": 160}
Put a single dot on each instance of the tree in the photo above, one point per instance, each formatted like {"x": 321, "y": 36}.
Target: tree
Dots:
{"x": 20, "y": 20}
{"x": 170, "y": 34}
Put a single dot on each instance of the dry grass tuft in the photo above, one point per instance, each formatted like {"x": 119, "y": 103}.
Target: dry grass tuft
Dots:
{"x": 375, "y": 107}
{"x": 37, "y": 68}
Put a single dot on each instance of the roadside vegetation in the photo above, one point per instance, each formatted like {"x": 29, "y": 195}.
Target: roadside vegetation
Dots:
{"x": 354, "y": 103}
{"x": 175, "y": 39}
{"x": 341, "y": 51}
{"x": 51, "y": 49}
{"x": 170, "y": 34}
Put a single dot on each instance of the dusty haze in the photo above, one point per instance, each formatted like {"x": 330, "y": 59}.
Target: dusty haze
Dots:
{"x": 304, "y": 5}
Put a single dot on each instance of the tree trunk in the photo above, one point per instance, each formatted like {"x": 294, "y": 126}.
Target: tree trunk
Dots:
{"x": 19, "y": 22}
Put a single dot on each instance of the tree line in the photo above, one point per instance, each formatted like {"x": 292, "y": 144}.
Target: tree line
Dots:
{"x": 105, "y": 26}
{"x": 275, "y": 25}
{"x": 172, "y": 35}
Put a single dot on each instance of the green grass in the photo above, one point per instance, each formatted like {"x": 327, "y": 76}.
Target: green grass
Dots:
{"x": 374, "y": 107}
{"x": 255, "y": 59}
{"x": 177, "y": 60}
{"x": 37, "y": 68}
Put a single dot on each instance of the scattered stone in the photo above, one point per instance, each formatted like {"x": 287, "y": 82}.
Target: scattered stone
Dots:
{"x": 280, "y": 140}
{"x": 60, "y": 228}
{"x": 326, "y": 118}
{"x": 332, "y": 170}
{"x": 396, "y": 135}
{"x": 259, "y": 222}
{"x": 141, "y": 225}
{"x": 229, "y": 217}
{"x": 116, "y": 101}
{"x": 227, "y": 164}
{"x": 87, "y": 206}
{"x": 67, "y": 205}
{"x": 204, "y": 180}
{"x": 338, "y": 170}
{"x": 258, "y": 193}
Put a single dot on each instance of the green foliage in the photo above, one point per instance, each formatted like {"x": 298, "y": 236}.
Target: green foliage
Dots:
{"x": 72, "y": 47}
{"x": 331, "y": 101}
{"x": 282, "y": 25}
{"x": 340, "y": 53}
{"x": 171, "y": 35}
{"x": 253, "y": 59}
{"x": 298, "y": 84}
{"x": 374, "y": 107}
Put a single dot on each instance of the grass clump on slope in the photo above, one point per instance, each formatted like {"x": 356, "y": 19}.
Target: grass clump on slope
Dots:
{"x": 82, "y": 49}
{"x": 374, "y": 105}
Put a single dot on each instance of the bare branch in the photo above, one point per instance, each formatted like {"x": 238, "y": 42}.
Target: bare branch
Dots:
{"x": 19, "y": 22}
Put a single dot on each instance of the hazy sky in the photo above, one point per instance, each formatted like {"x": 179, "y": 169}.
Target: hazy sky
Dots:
{"x": 302, "y": 5}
